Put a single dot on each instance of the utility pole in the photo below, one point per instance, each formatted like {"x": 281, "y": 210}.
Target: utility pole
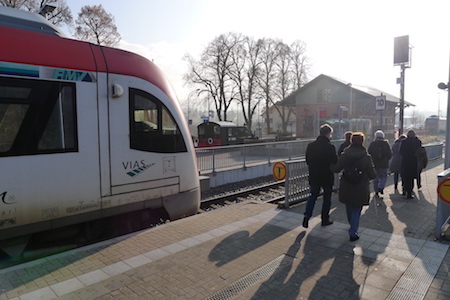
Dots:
{"x": 401, "y": 58}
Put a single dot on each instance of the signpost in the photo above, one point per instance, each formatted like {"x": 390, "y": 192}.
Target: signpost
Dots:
{"x": 444, "y": 190}
{"x": 380, "y": 105}
{"x": 380, "y": 102}
{"x": 279, "y": 171}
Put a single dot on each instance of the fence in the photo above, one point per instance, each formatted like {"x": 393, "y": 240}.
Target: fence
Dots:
{"x": 213, "y": 159}
{"x": 296, "y": 182}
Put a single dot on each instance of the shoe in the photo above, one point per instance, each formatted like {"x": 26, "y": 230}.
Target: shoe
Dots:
{"x": 404, "y": 193}
{"x": 395, "y": 187}
{"x": 409, "y": 196}
{"x": 381, "y": 191}
{"x": 305, "y": 222}
{"x": 376, "y": 194}
{"x": 354, "y": 238}
{"x": 419, "y": 186}
{"x": 326, "y": 223}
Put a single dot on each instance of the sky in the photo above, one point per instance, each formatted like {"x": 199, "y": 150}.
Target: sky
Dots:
{"x": 352, "y": 40}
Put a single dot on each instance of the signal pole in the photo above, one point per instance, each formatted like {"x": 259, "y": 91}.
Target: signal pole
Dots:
{"x": 401, "y": 57}
{"x": 402, "y": 99}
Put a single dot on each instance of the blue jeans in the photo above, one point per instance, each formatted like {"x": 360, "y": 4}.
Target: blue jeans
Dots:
{"x": 315, "y": 191}
{"x": 353, "y": 217}
{"x": 380, "y": 181}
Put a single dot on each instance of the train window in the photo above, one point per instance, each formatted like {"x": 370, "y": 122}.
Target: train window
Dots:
{"x": 37, "y": 117}
{"x": 11, "y": 116}
{"x": 59, "y": 132}
{"x": 152, "y": 127}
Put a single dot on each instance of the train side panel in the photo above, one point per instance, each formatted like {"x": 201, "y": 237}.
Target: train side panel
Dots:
{"x": 51, "y": 178}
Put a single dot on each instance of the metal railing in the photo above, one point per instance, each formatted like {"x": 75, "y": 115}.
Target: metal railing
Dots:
{"x": 296, "y": 182}
{"x": 213, "y": 159}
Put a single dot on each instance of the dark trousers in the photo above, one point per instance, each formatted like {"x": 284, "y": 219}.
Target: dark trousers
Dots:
{"x": 408, "y": 185}
{"x": 353, "y": 217}
{"x": 326, "y": 205}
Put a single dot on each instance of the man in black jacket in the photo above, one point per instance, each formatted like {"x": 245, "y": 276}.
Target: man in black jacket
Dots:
{"x": 320, "y": 155}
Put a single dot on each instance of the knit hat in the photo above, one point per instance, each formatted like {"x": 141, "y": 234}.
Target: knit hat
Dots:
{"x": 379, "y": 134}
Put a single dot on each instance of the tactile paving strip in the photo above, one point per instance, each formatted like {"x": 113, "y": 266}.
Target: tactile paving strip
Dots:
{"x": 250, "y": 279}
{"x": 417, "y": 278}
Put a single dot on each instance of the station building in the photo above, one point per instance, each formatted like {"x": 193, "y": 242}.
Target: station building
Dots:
{"x": 343, "y": 105}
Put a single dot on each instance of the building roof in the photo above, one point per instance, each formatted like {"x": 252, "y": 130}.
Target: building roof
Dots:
{"x": 290, "y": 100}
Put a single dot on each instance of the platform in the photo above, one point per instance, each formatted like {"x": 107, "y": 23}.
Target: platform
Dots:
{"x": 254, "y": 250}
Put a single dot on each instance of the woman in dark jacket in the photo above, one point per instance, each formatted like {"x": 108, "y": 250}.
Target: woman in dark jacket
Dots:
{"x": 408, "y": 149}
{"x": 355, "y": 195}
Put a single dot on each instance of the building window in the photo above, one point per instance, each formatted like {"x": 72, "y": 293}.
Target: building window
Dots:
{"x": 324, "y": 95}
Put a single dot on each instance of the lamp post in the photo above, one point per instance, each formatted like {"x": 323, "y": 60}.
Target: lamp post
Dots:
{"x": 444, "y": 86}
{"x": 351, "y": 100}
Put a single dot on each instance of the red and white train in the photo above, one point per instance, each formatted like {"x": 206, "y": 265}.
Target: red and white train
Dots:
{"x": 86, "y": 132}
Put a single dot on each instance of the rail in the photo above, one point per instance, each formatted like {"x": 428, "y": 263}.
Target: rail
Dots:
{"x": 213, "y": 159}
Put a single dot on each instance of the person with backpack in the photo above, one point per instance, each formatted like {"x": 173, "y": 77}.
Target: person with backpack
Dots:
{"x": 381, "y": 153}
{"x": 408, "y": 150}
{"x": 320, "y": 155}
{"x": 354, "y": 187}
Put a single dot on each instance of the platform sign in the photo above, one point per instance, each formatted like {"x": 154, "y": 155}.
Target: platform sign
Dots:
{"x": 444, "y": 190}
{"x": 380, "y": 102}
{"x": 279, "y": 171}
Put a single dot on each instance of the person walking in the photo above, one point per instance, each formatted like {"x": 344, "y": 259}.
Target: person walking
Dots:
{"x": 408, "y": 150}
{"x": 354, "y": 188}
{"x": 346, "y": 143}
{"x": 422, "y": 162}
{"x": 395, "y": 165}
{"x": 381, "y": 153}
{"x": 320, "y": 155}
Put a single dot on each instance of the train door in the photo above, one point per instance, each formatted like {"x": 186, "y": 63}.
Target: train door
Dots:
{"x": 145, "y": 142}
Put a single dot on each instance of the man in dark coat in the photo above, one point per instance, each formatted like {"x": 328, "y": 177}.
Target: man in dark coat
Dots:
{"x": 381, "y": 153}
{"x": 408, "y": 149}
{"x": 320, "y": 155}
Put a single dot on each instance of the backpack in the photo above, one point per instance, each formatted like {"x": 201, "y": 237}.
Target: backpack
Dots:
{"x": 422, "y": 158}
{"x": 352, "y": 171}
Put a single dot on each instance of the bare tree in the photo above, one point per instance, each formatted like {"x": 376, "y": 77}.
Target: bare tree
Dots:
{"x": 300, "y": 64}
{"x": 267, "y": 79}
{"x": 244, "y": 72}
{"x": 211, "y": 74}
{"x": 61, "y": 14}
{"x": 235, "y": 67}
{"x": 97, "y": 26}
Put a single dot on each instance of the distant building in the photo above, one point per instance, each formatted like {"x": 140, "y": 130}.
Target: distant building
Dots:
{"x": 344, "y": 106}
{"x": 275, "y": 121}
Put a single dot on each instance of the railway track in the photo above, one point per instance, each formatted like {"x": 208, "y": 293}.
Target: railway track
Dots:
{"x": 267, "y": 193}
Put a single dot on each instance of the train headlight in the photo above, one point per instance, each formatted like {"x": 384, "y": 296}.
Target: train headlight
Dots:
{"x": 117, "y": 90}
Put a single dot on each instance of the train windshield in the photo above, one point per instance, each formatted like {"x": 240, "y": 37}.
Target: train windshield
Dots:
{"x": 152, "y": 127}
